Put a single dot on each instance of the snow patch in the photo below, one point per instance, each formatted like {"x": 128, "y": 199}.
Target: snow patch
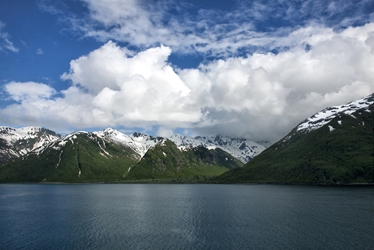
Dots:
{"x": 102, "y": 154}
{"x": 325, "y": 116}
{"x": 23, "y": 141}
{"x": 138, "y": 142}
{"x": 242, "y": 149}
{"x": 59, "y": 159}
{"x": 101, "y": 148}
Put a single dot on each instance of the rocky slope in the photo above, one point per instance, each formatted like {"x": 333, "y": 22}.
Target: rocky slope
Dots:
{"x": 242, "y": 149}
{"x": 15, "y": 143}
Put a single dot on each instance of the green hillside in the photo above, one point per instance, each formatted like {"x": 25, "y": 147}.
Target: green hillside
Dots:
{"x": 343, "y": 155}
{"x": 167, "y": 161}
{"x": 84, "y": 158}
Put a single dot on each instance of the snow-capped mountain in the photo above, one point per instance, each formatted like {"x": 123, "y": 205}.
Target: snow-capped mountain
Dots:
{"x": 21, "y": 141}
{"x": 326, "y": 115}
{"x": 242, "y": 149}
{"x": 87, "y": 157}
{"x": 139, "y": 142}
{"x": 62, "y": 141}
{"x": 77, "y": 157}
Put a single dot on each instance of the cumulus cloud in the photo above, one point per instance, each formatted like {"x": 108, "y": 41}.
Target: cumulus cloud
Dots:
{"x": 140, "y": 89}
{"x": 279, "y": 90}
{"x": 258, "y": 96}
{"x": 19, "y": 91}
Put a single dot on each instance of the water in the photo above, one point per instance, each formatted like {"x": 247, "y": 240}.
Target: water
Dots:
{"x": 146, "y": 216}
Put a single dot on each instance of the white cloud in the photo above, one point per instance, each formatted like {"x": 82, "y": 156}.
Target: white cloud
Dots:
{"x": 39, "y": 51}
{"x": 19, "y": 91}
{"x": 164, "y": 132}
{"x": 267, "y": 94}
{"x": 140, "y": 89}
{"x": 126, "y": 21}
{"x": 5, "y": 42}
{"x": 261, "y": 96}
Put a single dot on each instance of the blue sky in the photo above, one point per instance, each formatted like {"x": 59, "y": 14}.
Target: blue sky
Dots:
{"x": 251, "y": 69}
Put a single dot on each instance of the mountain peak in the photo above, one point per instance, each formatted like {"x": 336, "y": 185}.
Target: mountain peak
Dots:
{"x": 326, "y": 115}
{"x": 137, "y": 134}
{"x": 242, "y": 149}
{"x": 109, "y": 130}
{"x": 16, "y": 142}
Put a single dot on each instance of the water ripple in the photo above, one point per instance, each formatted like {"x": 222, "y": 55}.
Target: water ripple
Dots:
{"x": 185, "y": 217}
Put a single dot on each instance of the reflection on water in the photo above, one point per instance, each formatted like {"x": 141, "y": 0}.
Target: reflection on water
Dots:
{"x": 146, "y": 216}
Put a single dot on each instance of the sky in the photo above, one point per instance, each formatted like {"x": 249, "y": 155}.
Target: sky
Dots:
{"x": 250, "y": 69}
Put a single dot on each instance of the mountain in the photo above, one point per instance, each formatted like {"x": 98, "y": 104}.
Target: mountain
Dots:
{"x": 35, "y": 154}
{"x": 15, "y": 143}
{"x": 107, "y": 155}
{"x": 167, "y": 160}
{"x": 139, "y": 142}
{"x": 242, "y": 149}
{"x": 77, "y": 157}
{"x": 334, "y": 146}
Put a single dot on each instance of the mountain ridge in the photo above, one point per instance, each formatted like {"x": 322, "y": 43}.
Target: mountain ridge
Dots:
{"x": 77, "y": 157}
{"x": 88, "y": 157}
{"x": 242, "y": 149}
{"x": 166, "y": 160}
{"x": 15, "y": 143}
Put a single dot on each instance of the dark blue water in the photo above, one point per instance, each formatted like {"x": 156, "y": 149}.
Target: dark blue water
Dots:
{"x": 137, "y": 216}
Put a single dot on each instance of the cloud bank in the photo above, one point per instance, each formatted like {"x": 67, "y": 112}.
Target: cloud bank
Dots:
{"x": 258, "y": 96}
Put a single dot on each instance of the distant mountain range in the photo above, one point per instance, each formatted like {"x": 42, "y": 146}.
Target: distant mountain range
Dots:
{"x": 16, "y": 142}
{"x": 28, "y": 154}
{"x": 334, "y": 146}
{"x": 242, "y": 149}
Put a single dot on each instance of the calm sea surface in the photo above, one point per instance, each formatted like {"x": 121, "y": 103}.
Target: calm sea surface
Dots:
{"x": 177, "y": 216}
